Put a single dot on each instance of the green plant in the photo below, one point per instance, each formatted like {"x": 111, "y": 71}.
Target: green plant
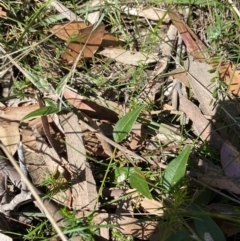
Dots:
{"x": 221, "y": 32}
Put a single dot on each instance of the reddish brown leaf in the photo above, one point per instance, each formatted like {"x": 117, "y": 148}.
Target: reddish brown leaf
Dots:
{"x": 83, "y": 40}
{"x": 110, "y": 41}
{"x": 69, "y": 30}
{"x": 194, "y": 45}
{"x": 90, "y": 108}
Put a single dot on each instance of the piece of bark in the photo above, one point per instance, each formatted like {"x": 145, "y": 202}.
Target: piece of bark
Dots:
{"x": 84, "y": 190}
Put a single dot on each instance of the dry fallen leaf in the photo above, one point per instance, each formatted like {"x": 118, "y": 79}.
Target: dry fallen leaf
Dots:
{"x": 231, "y": 76}
{"x": 128, "y": 57}
{"x": 82, "y": 39}
{"x": 84, "y": 193}
{"x": 145, "y": 230}
{"x": 9, "y": 135}
{"x": 2, "y": 13}
{"x": 202, "y": 86}
{"x": 202, "y": 126}
{"x": 110, "y": 41}
{"x": 16, "y": 113}
{"x": 194, "y": 45}
{"x": 221, "y": 182}
{"x": 89, "y": 107}
{"x": 154, "y": 14}
{"x": 230, "y": 160}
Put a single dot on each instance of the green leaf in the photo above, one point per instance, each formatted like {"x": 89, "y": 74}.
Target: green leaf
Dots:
{"x": 38, "y": 82}
{"x": 180, "y": 235}
{"x": 138, "y": 181}
{"x": 206, "y": 228}
{"x": 125, "y": 124}
{"x": 49, "y": 102}
{"x": 122, "y": 173}
{"x": 176, "y": 169}
{"x": 43, "y": 111}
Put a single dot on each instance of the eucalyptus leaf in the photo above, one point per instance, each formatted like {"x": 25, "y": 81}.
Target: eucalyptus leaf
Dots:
{"x": 125, "y": 124}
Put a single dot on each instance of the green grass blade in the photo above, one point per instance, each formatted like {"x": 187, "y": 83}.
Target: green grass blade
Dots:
{"x": 43, "y": 111}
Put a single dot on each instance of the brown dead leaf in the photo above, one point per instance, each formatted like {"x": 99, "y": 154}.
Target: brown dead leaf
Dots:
{"x": 181, "y": 75}
{"x": 138, "y": 135}
{"x": 68, "y": 30}
{"x": 16, "y": 113}
{"x": 28, "y": 139}
{"x": 231, "y": 76}
{"x": 90, "y": 108}
{"x": 105, "y": 145}
{"x": 82, "y": 39}
{"x": 128, "y": 57}
{"x": 202, "y": 126}
{"x": 110, "y": 41}
{"x": 10, "y": 136}
{"x": 230, "y": 160}
{"x": 202, "y": 86}
{"x": 221, "y": 182}
{"x": 2, "y": 13}
{"x": 194, "y": 45}
{"x": 84, "y": 192}
{"x": 47, "y": 162}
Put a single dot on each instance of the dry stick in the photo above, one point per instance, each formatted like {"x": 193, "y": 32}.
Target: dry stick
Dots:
{"x": 31, "y": 188}
{"x": 119, "y": 147}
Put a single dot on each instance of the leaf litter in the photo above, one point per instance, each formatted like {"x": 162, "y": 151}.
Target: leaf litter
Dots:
{"x": 167, "y": 112}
